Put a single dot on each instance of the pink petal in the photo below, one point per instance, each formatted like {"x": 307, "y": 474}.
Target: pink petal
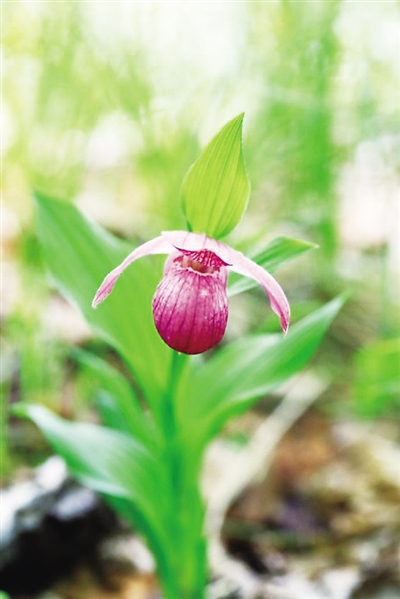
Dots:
{"x": 277, "y": 298}
{"x": 158, "y": 245}
{"x": 239, "y": 263}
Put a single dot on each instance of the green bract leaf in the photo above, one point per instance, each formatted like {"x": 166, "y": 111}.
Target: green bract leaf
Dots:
{"x": 244, "y": 371}
{"x": 278, "y": 251}
{"x": 79, "y": 255}
{"x": 216, "y": 189}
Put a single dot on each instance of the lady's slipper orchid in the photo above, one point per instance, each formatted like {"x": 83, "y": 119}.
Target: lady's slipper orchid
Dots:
{"x": 190, "y": 305}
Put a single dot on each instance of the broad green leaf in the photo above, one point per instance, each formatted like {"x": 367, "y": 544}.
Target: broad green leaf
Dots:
{"x": 79, "y": 255}
{"x": 278, "y": 251}
{"x": 248, "y": 369}
{"x": 216, "y": 189}
{"x": 108, "y": 462}
{"x": 118, "y": 404}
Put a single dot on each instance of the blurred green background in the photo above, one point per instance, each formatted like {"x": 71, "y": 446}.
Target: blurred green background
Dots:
{"x": 106, "y": 104}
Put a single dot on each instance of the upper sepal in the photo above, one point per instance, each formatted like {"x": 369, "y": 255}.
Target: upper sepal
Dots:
{"x": 216, "y": 188}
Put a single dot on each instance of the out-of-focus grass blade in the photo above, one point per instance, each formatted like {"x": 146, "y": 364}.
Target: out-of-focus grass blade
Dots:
{"x": 278, "y": 251}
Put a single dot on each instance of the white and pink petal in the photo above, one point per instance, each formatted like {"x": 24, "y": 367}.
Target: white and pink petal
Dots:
{"x": 158, "y": 245}
{"x": 277, "y": 298}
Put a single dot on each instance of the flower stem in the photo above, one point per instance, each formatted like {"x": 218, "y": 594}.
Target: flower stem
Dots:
{"x": 188, "y": 551}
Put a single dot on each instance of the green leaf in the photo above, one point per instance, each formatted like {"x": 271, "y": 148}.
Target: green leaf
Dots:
{"x": 246, "y": 370}
{"x": 117, "y": 402}
{"x": 115, "y": 465}
{"x": 79, "y": 255}
{"x": 278, "y": 251}
{"x": 216, "y": 189}
{"x": 108, "y": 462}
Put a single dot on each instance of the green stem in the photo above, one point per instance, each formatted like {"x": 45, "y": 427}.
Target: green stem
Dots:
{"x": 188, "y": 550}
{"x": 170, "y": 423}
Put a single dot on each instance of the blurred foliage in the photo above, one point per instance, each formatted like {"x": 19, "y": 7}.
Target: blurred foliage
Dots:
{"x": 377, "y": 378}
{"x": 103, "y": 106}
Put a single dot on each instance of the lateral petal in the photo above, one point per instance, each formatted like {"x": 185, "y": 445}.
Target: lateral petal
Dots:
{"x": 277, "y": 298}
{"x": 158, "y": 245}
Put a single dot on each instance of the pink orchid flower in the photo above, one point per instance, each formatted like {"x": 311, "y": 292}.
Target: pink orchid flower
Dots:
{"x": 190, "y": 305}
